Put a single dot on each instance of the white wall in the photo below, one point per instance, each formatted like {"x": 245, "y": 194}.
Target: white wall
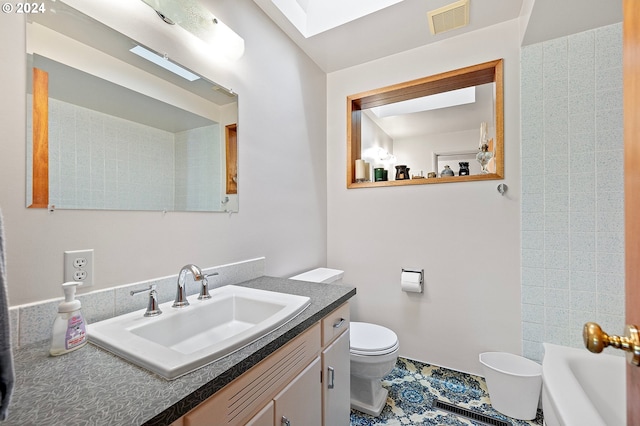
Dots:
{"x": 465, "y": 235}
{"x": 282, "y": 170}
{"x": 418, "y": 152}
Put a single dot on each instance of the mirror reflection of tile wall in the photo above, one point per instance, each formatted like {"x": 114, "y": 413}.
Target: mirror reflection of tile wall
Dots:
{"x": 198, "y": 176}
{"x": 572, "y": 188}
{"x": 128, "y": 165}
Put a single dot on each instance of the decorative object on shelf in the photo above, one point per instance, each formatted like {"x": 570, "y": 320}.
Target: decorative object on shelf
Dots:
{"x": 432, "y": 175}
{"x": 464, "y": 168}
{"x": 484, "y": 156}
{"x": 402, "y": 172}
{"x": 447, "y": 171}
{"x": 362, "y": 171}
{"x": 420, "y": 176}
{"x": 378, "y": 174}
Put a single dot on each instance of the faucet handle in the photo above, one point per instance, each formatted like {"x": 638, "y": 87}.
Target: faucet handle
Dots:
{"x": 152, "y": 307}
{"x": 204, "y": 288}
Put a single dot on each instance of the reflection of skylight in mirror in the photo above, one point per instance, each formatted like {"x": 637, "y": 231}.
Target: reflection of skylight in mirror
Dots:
{"x": 426, "y": 103}
{"x": 164, "y": 63}
{"x": 313, "y": 17}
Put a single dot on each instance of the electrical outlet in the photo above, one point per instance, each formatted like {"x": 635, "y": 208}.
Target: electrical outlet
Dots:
{"x": 80, "y": 275}
{"x": 78, "y": 266}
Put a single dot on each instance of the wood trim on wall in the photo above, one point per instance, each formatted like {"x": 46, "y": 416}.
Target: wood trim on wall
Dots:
{"x": 631, "y": 96}
{"x": 499, "y": 111}
{"x": 451, "y": 80}
{"x": 40, "y": 139}
{"x": 354, "y": 137}
{"x": 488, "y": 72}
{"x": 231, "y": 142}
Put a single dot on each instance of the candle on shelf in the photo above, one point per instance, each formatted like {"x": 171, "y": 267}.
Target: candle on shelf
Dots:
{"x": 360, "y": 171}
{"x": 483, "y": 134}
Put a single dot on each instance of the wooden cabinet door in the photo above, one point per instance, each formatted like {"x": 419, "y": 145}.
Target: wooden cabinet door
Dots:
{"x": 336, "y": 383}
{"x": 264, "y": 417}
{"x": 300, "y": 403}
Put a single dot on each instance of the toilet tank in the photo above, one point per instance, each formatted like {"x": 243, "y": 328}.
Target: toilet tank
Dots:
{"x": 320, "y": 275}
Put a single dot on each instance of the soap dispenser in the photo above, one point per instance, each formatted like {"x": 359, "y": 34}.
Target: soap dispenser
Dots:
{"x": 69, "y": 331}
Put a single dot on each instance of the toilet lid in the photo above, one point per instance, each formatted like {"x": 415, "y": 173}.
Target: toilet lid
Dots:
{"x": 372, "y": 339}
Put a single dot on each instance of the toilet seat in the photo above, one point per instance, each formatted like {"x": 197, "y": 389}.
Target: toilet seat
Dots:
{"x": 372, "y": 339}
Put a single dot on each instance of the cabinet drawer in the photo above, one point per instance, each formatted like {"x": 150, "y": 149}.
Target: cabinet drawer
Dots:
{"x": 246, "y": 395}
{"x": 335, "y": 324}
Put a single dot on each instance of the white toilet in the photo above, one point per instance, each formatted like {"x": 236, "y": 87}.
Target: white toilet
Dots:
{"x": 374, "y": 352}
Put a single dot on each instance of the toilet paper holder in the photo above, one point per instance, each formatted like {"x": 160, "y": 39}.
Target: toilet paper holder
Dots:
{"x": 410, "y": 286}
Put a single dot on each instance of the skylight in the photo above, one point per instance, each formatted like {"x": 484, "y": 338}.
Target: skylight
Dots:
{"x": 312, "y": 17}
{"x": 426, "y": 103}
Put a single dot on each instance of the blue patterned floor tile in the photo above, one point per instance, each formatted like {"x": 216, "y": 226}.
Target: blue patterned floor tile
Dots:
{"x": 414, "y": 386}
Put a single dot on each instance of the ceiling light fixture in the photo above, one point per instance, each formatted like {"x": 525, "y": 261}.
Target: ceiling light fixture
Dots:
{"x": 199, "y": 21}
{"x": 165, "y": 19}
{"x": 164, "y": 62}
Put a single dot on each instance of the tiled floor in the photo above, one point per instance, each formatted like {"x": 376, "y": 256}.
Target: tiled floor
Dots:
{"x": 413, "y": 387}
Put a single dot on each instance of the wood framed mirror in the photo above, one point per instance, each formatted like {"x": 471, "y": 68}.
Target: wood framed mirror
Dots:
{"x": 421, "y": 131}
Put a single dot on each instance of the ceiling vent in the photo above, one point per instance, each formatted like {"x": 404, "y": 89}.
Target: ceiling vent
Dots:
{"x": 450, "y": 17}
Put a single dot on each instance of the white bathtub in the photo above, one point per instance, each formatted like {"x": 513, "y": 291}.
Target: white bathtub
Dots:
{"x": 580, "y": 388}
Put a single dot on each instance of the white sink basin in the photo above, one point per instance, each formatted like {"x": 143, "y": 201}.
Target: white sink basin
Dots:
{"x": 181, "y": 340}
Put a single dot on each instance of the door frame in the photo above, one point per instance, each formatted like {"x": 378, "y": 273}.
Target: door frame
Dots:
{"x": 631, "y": 97}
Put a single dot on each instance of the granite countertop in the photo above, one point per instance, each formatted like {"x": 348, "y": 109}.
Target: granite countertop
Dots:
{"x": 91, "y": 386}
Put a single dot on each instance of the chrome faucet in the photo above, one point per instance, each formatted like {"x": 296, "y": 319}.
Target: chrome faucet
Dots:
{"x": 153, "y": 309}
{"x": 181, "y": 296}
{"x": 204, "y": 289}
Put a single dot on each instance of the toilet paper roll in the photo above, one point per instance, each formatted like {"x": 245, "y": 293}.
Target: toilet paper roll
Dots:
{"x": 411, "y": 282}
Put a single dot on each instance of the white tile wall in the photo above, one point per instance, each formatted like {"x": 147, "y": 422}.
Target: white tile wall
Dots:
{"x": 572, "y": 188}
{"x": 167, "y": 171}
{"x": 115, "y": 153}
{"x": 199, "y": 176}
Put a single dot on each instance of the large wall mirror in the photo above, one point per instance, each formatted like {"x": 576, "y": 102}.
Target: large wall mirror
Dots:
{"x": 109, "y": 129}
{"x": 443, "y": 128}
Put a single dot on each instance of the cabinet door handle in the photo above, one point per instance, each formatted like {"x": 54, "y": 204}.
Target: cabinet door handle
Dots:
{"x": 339, "y": 323}
{"x": 330, "y": 377}
{"x": 285, "y": 421}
